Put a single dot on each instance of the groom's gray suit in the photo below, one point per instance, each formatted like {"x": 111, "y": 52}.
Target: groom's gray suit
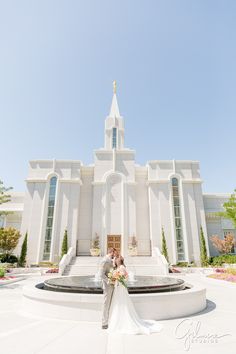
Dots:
{"x": 108, "y": 289}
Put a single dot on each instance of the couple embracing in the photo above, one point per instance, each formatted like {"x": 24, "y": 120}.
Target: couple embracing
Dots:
{"x": 119, "y": 314}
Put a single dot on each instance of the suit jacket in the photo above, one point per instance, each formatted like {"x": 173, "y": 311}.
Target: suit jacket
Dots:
{"x": 105, "y": 267}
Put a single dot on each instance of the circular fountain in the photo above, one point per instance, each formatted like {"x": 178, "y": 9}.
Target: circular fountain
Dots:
{"x": 80, "y": 297}
{"x": 89, "y": 285}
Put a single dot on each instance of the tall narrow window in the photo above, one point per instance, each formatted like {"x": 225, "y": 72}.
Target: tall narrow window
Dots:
{"x": 49, "y": 224}
{"x": 114, "y": 138}
{"x": 178, "y": 220}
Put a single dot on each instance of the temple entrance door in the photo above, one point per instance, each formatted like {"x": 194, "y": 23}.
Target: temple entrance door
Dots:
{"x": 114, "y": 241}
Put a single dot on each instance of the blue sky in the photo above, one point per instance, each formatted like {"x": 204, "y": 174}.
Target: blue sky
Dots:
{"x": 174, "y": 62}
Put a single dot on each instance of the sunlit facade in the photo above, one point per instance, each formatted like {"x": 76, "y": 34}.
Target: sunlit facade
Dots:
{"x": 117, "y": 200}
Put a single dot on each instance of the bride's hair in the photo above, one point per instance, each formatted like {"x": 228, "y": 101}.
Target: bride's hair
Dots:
{"x": 119, "y": 261}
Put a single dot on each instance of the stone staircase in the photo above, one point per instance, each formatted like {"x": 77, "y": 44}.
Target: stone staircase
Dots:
{"x": 140, "y": 265}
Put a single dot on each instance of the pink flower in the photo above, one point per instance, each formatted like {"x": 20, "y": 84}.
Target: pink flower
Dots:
{"x": 220, "y": 270}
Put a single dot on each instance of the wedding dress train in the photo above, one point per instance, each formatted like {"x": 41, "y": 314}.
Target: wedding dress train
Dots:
{"x": 124, "y": 318}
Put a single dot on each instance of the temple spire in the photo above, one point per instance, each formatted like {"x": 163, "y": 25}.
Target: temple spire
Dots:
{"x": 114, "y": 86}
{"x": 114, "y": 111}
{"x": 114, "y": 126}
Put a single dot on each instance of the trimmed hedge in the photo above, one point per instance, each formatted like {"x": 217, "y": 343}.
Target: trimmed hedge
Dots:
{"x": 223, "y": 258}
{"x": 184, "y": 264}
{"x": 8, "y": 258}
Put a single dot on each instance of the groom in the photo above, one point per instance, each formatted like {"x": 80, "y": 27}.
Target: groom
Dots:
{"x": 106, "y": 266}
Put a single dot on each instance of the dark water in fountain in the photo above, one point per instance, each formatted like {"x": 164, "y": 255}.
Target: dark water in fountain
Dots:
{"x": 89, "y": 285}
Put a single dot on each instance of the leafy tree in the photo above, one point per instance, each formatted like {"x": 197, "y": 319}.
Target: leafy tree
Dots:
{"x": 223, "y": 246}
{"x": 164, "y": 249}
{"x": 203, "y": 250}
{"x": 229, "y": 209}
{"x": 4, "y": 197}
{"x": 9, "y": 238}
{"x": 64, "y": 248}
{"x": 22, "y": 259}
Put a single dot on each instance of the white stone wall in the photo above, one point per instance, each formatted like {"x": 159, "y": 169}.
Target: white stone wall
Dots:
{"x": 160, "y": 174}
{"x": 32, "y": 220}
{"x": 36, "y": 204}
{"x": 14, "y": 208}
{"x": 114, "y": 205}
{"x": 215, "y": 224}
{"x": 98, "y": 213}
{"x": 85, "y": 222}
{"x": 132, "y": 200}
{"x": 142, "y": 211}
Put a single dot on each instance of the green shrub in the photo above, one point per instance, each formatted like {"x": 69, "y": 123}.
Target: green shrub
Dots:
{"x": 185, "y": 264}
{"x": 2, "y": 272}
{"x": 22, "y": 259}
{"x": 45, "y": 264}
{"x": 203, "y": 250}
{"x": 224, "y": 258}
{"x": 182, "y": 264}
{"x": 164, "y": 249}
{"x": 8, "y": 258}
{"x": 64, "y": 247}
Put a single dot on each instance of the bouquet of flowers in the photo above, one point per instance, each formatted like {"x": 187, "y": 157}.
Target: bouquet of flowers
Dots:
{"x": 118, "y": 275}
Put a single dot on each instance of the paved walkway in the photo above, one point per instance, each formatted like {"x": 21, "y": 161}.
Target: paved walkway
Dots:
{"x": 21, "y": 334}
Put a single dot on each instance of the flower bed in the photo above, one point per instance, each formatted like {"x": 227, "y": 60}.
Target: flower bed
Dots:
{"x": 7, "y": 277}
{"x": 228, "y": 274}
{"x": 223, "y": 276}
{"x": 174, "y": 270}
{"x": 52, "y": 270}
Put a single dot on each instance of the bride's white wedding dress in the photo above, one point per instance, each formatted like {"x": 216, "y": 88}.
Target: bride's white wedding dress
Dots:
{"x": 123, "y": 316}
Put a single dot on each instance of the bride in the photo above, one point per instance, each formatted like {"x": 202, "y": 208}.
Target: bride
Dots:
{"x": 123, "y": 317}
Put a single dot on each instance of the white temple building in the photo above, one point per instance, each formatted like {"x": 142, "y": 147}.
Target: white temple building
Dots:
{"x": 116, "y": 199}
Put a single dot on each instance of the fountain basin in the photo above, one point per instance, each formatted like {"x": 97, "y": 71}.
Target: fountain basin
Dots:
{"x": 80, "y": 306}
{"x": 89, "y": 285}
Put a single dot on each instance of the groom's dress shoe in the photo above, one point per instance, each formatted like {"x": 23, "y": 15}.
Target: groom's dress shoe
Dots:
{"x": 104, "y": 326}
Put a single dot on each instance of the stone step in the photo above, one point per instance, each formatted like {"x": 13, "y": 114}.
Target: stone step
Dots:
{"x": 140, "y": 269}
{"x": 71, "y": 270}
{"x": 128, "y": 260}
{"x": 86, "y": 260}
{"x": 139, "y": 265}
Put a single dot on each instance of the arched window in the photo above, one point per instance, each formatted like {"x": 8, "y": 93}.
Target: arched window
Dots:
{"x": 178, "y": 219}
{"x": 49, "y": 224}
{"x": 114, "y": 138}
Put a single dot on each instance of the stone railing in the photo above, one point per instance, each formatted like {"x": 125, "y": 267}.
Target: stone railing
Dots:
{"x": 162, "y": 262}
{"x": 66, "y": 259}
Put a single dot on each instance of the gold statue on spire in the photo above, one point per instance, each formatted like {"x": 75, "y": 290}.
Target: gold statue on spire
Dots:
{"x": 114, "y": 86}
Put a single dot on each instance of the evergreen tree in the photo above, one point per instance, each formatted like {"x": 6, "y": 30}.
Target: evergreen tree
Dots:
{"x": 164, "y": 249}
{"x": 22, "y": 259}
{"x": 203, "y": 250}
{"x": 64, "y": 248}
